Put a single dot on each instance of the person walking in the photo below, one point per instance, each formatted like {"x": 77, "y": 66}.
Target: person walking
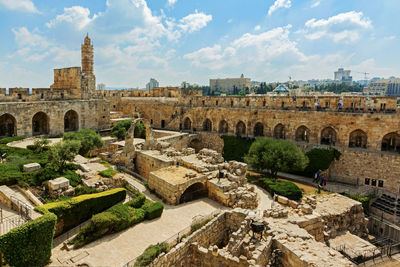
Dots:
{"x": 325, "y": 180}
{"x": 321, "y": 181}
{"x": 317, "y": 176}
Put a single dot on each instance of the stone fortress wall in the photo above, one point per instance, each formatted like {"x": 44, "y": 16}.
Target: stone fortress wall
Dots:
{"x": 71, "y": 103}
{"x": 364, "y": 129}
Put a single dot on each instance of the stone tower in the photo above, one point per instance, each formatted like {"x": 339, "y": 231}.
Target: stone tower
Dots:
{"x": 88, "y": 77}
{"x": 87, "y": 56}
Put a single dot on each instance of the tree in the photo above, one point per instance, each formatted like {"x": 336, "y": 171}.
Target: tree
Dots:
{"x": 88, "y": 138}
{"x": 62, "y": 152}
{"x": 120, "y": 129}
{"x": 275, "y": 155}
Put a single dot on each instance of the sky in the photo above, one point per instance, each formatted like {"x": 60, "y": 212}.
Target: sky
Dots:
{"x": 197, "y": 40}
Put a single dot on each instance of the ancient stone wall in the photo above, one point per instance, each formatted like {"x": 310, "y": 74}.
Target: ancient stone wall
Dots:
{"x": 146, "y": 163}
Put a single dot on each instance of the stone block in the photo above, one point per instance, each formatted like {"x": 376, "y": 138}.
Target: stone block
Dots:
{"x": 31, "y": 167}
{"x": 58, "y": 183}
{"x": 293, "y": 204}
{"x": 283, "y": 200}
{"x": 84, "y": 167}
{"x": 306, "y": 209}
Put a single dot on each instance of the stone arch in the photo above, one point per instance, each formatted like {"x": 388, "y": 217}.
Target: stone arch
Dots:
{"x": 391, "y": 142}
{"x": 258, "y": 129}
{"x": 302, "y": 134}
{"x": 194, "y": 191}
{"x": 8, "y": 125}
{"x": 223, "y": 127}
{"x": 207, "y": 125}
{"x": 71, "y": 121}
{"x": 40, "y": 124}
{"x": 129, "y": 143}
{"x": 187, "y": 124}
{"x": 358, "y": 138}
{"x": 240, "y": 128}
{"x": 280, "y": 131}
{"x": 328, "y": 136}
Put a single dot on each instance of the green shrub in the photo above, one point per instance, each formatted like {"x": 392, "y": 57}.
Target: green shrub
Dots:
{"x": 29, "y": 244}
{"x": 80, "y": 190}
{"x": 7, "y": 140}
{"x": 283, "y": 188}
{"x": 151, "y": 253}
{"x": 197, "y": 226}
{"x": 363, "y": 199}
{"x": 154, "y": 210}
{"x": 120, "y": 129}
{"x": 88, "y": 138}
{"x": 320, "y": 159}
{"x": 137, "y": 202}
{"x": 235, "y": 148}
{"x": 72, "y": 212}
{"x": 108, "y": 173}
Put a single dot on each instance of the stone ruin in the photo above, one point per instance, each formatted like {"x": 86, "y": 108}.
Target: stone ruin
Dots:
{"x": 290, "y": 237}
{"x": 60, "y": 187}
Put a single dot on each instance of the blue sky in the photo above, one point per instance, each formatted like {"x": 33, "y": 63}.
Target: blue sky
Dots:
{"x": 195, "y": 40}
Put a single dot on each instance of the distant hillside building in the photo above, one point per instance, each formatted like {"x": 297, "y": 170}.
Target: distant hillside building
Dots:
{"x": 343, "y": 76}
{"x": 229, "y": 84}
{"x": 153, "y": 83}
{"x": 390, "y": 87}
{"x": 101, "y": 86}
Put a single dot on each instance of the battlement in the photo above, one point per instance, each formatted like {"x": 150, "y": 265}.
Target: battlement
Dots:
{"x": 36, "y": 94}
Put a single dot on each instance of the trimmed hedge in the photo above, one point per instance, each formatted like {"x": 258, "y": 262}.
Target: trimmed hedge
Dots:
{"x": 151, "y": 253}
{"x": 117, "y": 218}
{"x": 283, "y": 188}
{"x": 7, "y": 140}
{"x": 29, "y": 244}
{"x": 319, "y": 159}
{"x": 74, "y": 211}
{"x": 235, "y": 148}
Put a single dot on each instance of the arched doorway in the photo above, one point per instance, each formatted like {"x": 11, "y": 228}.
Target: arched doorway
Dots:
{"x": 240, "y": 129}
{"x": 279, "y": 131}
{"x": 187, "y": 124}
{"x": 40, "y": 124}
{"x": 391, "y": 142}
{"x": 193, "y": 192}
{"x": 328, "y": 136}
{"x": 358, "y": 138}
{"x": 223, "y": 127}
{"x": 8, "y": 125}
{"x": 302, "y": 134}
{"x": 258, "y": 129}
{"x": 71, "y": 121}
{"x": 207, "y": 125}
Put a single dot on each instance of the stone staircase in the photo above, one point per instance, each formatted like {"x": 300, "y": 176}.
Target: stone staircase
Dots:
{"x": 14, "y": 198}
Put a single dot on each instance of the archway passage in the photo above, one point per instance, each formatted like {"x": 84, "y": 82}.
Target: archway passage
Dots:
{"x": 279, "y": 131}
{"x": 71, "y": 121}
{"x": 207, "y": 125}
{"x": 240, "y": 129}
{"x": 187, "y": 124}
{"x": 40, "y": 124}
{"x": 193, "y": 192}
{"x": 391, "y": 142}
{"x": 328, "y": 136}
{"x": 302, "y": 134}
{"x": 258, "y": 129}
{"x": 358, "y": 138}
{"x": 8, "y": 125}
{"x": 223, "y": 127}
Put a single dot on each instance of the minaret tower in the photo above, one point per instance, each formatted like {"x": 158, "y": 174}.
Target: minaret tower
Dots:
{"x": 87, "y": 56}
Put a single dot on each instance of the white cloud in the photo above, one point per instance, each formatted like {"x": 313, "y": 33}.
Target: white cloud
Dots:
{"x": 257, "y": 28}
{"x": 194, "y": 22}
{"x": 25, "y": 38}
{"x": 259, "y": 49}
{"x": 315, "y": 4}
{"x": 279, "y": 4}
{"x": 20, "y": 5}
{"x": 389, "y": 38}
{"x": 172, "y": 2}
{"x": 344, "y": 27}
{"x": 76, "y": 15}
{"x": 229, "y": 20}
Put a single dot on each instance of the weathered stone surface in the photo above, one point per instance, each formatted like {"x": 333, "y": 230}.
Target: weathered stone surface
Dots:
{"x": 31, "y": 167}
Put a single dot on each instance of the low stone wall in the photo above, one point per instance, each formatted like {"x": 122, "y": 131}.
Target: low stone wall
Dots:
{"x": 110, "y": 148}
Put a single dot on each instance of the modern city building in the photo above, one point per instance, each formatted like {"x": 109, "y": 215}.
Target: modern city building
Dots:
{"x": 343, "y": 76}
{"x": 153, "y": 83}
{"x": 230, "y": 84}
{"x": 101, "y": 86}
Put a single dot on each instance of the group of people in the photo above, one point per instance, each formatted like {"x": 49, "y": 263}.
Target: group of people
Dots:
{"x": 320, "y": 178}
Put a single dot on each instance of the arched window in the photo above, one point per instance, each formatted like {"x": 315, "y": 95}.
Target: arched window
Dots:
{"x": 240, "y": 129}
{"x": 328, "y": 136}
{"x": 302, "y": 134}
{"x": 391, "y": 142}
{"x": 71, "y": 121}
{"x": 358, "y": 138}
{"x": 223, "y": 127}
{"x": 8, "y": 125}
{"x": 187, "y": 124}
{"x": 259, "y": 129}
{"x": 40, "y": 124}
{"x": 207, "y": 125}
{"x": 279, "y": 131}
